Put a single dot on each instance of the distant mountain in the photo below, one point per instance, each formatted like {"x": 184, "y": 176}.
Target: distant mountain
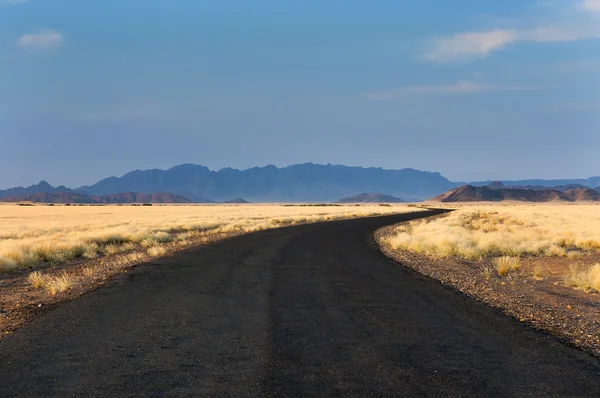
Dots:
{"x": 371, "y": 198}
{"x": 588, "y": 182}
{"x": 469, "y": 193}
{"x": 561, "y": 188}
{"x": 236, "y": 200}
{"x": 583, "y": 194}
{"x": 303, "y": 182}
{"x": 306, "y": 182}
{"x": 42, "y": 186}
{"x": 74, "y": 197}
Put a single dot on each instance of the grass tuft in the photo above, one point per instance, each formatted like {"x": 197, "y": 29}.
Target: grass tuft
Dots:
{"x": 156, "y": 251}
{"x": 506, "y": 264}
{"x": 7, "y": 264}
{"x": 587, "y": 279}
{"x": 59, "y": 284}
{"x": 487, "y": 272}
{"x": 37, "y": 279}
{"x": 540, "y": 272}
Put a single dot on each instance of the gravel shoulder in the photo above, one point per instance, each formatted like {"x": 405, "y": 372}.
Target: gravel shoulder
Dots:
{"x": 570, "y": 315}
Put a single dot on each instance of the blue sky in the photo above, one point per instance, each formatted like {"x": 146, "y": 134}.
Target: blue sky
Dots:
{"x": 472, "y": 89}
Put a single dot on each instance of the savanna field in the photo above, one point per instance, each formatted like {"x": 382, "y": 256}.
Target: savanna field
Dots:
{"x": 57, "y": 234}
{"x": 505, "y": 234}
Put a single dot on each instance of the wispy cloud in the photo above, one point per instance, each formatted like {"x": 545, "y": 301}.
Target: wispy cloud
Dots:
{"x": 470, "y": 44}
{"x": 590, "y": 5}
{"x": 460, "y": 88}
{"x": 479, "y": 44}
{"x": 43, "y": 39}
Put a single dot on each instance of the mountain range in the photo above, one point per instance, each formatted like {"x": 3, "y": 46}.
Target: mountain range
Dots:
{"x": 493, "y": 193}
{"x": 371, "y": 198}
{"x": 305, "y": 182}
{"x": 75, "y": 197}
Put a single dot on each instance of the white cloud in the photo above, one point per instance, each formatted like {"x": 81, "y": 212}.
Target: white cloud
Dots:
{"x": 459, "y": 88}
{"x": 46, "y": 38}
{"x": 590, "y": 5}
{"x": 470, "y": 45}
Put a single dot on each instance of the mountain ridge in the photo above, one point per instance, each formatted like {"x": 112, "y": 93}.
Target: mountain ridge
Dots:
{"x": 76, "y": 197}
{"x": 300, "y": 182}
{"x": 371, "y": 198}
{"x": 470, "y": 193}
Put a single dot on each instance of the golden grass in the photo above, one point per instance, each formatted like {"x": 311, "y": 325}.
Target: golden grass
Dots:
{"x": 587, "y": 279}
{"x": 37, "y": 279}
{"x": 52, "y": 284}
{"x": 59, "y": 284}
{"x": 540, "y": 272}
{"x": 476, "y": 232}
{"x": 506, "y": 264}
{"x": 156, "y": 251}
{"x": 30, "y": 235}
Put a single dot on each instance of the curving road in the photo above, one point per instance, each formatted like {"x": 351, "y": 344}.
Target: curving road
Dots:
{"x": 312, "y": 310}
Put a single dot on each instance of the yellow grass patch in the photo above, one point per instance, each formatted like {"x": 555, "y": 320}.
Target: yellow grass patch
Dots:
{"x": 476, "y": 232}
{"x": 584, "y": 278}
{"x": 506, "y": 264}
{"x": 30, "y": 235}
{"x": 37, "y": 279}
{"x": 58, "y": 284}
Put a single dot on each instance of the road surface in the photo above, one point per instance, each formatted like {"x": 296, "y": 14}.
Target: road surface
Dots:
{"x": 311, "y": 310}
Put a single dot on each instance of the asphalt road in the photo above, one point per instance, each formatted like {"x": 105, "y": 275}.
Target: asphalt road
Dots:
{"x": 312, "y": 310}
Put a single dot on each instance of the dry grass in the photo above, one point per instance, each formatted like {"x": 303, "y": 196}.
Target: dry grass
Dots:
{"x": 539, "y": 272}
{"x": 490, "y": 231}
{"x": 59, "y": 284}
{"x": 30, "y": 235}
{"x": 156, "y": 251}
{"x": 52, "y": 284}
{"x": 37, "y": 279}
{"x": 586, "y": 278}
{"x": 487, "y": 272}
{"x": 506, "y": 264}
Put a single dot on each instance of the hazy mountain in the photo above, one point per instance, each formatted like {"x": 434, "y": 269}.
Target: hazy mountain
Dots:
{"x": 561, "y": 188}
{"x": 42, "y": 186}
{"x": 236, "y": 200}
{"x": 470, "y": 193}
{"x": 587, "y": 182}
{"x": 302, "y": 182}
{"x": 371, "y": 198}
{"x": 74, "y": 197}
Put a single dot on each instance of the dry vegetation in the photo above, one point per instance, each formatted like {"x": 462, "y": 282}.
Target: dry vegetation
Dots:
{"x": 30, "y": 235}
{"x": 538, "y": 263}
{"x": 503, "y": 234}
{"x": 49, "y": 254}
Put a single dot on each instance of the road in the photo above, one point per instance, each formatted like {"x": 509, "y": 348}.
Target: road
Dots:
{"x": 310, "y": 310}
